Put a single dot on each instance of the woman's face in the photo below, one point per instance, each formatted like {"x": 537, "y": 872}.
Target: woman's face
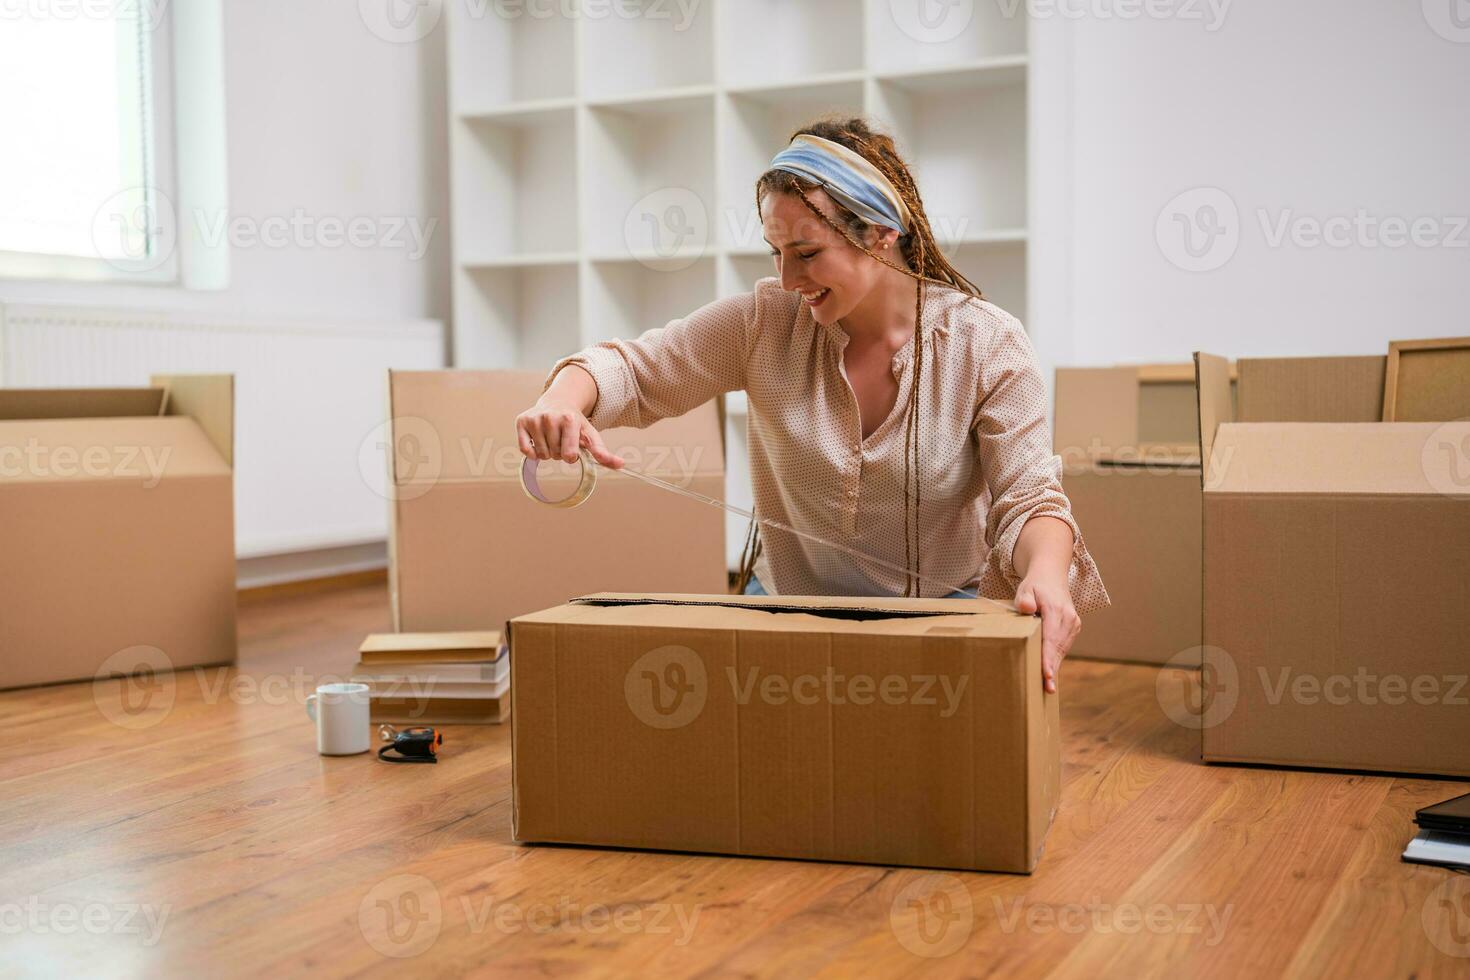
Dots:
{"x": 813, "y": 259}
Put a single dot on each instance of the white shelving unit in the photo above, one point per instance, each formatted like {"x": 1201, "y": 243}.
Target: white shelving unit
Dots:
{"x": 603, "y": 164}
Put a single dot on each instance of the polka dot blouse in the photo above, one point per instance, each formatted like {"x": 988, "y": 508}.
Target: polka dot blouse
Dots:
{"x": 985, "y": 459}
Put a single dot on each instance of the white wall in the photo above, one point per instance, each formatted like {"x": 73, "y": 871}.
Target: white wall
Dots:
{"x": 1298, "y": 108}
{"x": 326, "y": 117}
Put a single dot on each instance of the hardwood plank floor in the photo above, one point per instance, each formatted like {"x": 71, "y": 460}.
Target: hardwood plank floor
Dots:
{"x": 193, "y": 829}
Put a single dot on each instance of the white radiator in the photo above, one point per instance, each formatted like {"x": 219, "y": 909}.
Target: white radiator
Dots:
{"x": 309, "y": 402}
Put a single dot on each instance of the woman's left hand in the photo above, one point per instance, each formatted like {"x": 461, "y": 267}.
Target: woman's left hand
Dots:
{"x": 1060, "y": 623}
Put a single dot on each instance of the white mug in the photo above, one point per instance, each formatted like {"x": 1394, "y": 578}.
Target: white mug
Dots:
{"x": 341, "y": 715}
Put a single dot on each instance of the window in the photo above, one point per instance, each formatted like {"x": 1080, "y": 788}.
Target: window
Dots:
{"x": 84, "y": 174}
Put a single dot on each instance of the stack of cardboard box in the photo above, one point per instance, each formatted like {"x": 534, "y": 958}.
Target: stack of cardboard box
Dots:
{"x": 1334, "y": 581}
{"x": 435, "y": 678}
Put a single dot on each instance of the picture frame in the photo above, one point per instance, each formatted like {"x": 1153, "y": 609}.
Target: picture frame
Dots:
{"x": 1427, "y": 380}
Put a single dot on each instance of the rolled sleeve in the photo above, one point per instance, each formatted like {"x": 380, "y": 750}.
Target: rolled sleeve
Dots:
{"x": 669, "y": 370}
{"x": 1022, "y": 474}
{"x": 616, "y": 389}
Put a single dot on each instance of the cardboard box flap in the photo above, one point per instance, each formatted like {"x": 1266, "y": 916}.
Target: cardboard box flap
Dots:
{"x": 1148, "y": 455}
{"x": 80, "y": 403}
{"x": 802, "y": 603}
{"x": 1142, "y": 414}
{"x": 809, "y": 614}
{"x": 1167, "y": 415}
{"x": 1212, "y": 387}
{"x": 1311, "y": 389}
{"x": 209, "y": 399}
{"x": 459, "y": 426}
{"x": 1168, "y": 374}
{"x": 1397, "y": 458}
{"x": 1096, "y": 410}
{"x": 70, "y": 450}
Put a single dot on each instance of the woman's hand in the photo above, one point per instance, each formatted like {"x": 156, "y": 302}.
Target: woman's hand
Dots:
{"x": 556, "y": 427}
{"x": 557, "y": 432}
{"x": 1060, "y": 623}
{"x": 1042, "y": 557}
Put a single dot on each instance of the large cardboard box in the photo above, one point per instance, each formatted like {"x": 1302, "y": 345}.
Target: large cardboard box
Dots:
{"x": 470, "y": 550}
{"x": 891, "y": 731}
{"x": 1334, "y": 576}
{"x": 1129, "y": 442}
{"x": 117, "y": 516}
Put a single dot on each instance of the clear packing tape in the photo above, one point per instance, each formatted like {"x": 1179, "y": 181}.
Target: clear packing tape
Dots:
{"x": 587, "y": 482}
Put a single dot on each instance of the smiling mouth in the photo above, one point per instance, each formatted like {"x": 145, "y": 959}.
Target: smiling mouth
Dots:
{"x": 815, "y": 299}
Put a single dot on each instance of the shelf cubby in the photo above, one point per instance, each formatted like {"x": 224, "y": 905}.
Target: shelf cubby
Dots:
{"x": 998, "y": 268}
{"x": 515, "y": 184}
{"x": 649, "y": 178}
{"x": 904, "y": 34}
{"x": 965, "y": 136}
{"x": 635, "y": 46}
{"x": 626, "y": 297}
{"x": 760, "y": 124}
{"x": 501, "y": 60}
{"x": 739, "y": 272}
{"x": 527, "y": 315}
{"x": 782, "y": 41}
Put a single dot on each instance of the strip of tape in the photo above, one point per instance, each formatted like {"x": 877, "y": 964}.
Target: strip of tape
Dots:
{"x": 532, "y": 485}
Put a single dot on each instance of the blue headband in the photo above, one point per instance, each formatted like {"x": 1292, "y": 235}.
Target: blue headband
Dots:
{"x": 848, "y": 177}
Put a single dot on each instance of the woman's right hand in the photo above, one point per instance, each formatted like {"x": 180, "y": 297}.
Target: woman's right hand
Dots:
{"x": 551, "y": 431}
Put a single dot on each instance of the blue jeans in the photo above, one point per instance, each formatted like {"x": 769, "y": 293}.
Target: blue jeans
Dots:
{"x": 754, "y": 587}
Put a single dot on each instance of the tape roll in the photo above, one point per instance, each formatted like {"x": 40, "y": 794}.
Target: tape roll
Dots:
{"x": 531, "y": 483}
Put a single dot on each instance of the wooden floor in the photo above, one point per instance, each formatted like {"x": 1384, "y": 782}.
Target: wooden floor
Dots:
{"x": 204, "y": 836}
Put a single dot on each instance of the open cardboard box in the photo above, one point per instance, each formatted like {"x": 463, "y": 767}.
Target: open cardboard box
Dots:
{"x": 1335, "y": 590}
{"x": 890, "y": 731}
{"x": 470, "y": 550}
{"x": 1129, "y": 442}
{"x": 117, "y": 514}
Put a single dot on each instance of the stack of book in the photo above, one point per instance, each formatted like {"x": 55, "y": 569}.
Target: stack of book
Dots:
{"x": 1444, "y": 834}
{"x": 435, "y": 678}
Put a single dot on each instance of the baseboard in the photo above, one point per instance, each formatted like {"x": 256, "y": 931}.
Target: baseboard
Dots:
{"x": 314, "y": 586}
{"x": 267, "y": 571}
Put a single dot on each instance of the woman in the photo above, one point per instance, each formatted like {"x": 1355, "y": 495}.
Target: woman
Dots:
{"x": 890, "y": 407}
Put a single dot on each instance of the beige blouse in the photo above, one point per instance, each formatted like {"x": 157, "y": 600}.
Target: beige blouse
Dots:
{"x": 986, "y": 459}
